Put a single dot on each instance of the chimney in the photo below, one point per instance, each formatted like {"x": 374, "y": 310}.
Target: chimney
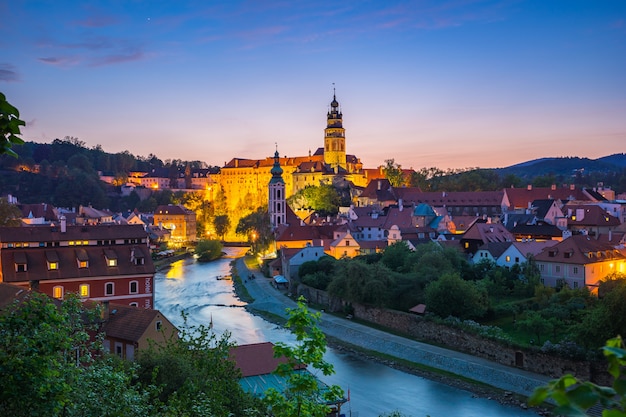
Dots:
{"x": 379, "y": 185}
{"x": 400, "y": 206}
{"x": 553, "y": 187}
{"x": 63, "y": 224}
{"x": 572, "y": 186}
{"x": 529, "y": 187}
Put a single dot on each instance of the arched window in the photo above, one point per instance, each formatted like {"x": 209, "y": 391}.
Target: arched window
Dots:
{"x": 109, "y": 288}
{"x": 57, "y": 292}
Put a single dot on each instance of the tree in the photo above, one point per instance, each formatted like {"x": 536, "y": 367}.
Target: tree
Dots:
{"x": 10, "y": 124}
{"x": 47, "y": 365}
{"x": 534, "y": 323}
{"x": 194, "y": 375}
{"x": 393, "y": 172}
{"x": 256, "y": 226}
{"x": 452, "y": 296}
{"x": 324, "y": 199}
{"x": 10, "y": 215}
{"x": 574, "y": 397}
{"x": 221, "y": 224}
{"x": 303, "y": 396}
{"x": 208, "y": 250}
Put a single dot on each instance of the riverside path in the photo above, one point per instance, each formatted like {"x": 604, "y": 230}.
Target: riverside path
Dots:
{"x": 269, "y": 299}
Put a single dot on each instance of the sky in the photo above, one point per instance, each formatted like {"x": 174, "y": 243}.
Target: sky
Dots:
{"x": 428, "y": 83}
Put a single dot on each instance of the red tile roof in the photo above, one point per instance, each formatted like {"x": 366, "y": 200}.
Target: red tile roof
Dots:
{"x": 257, "y": 359}
{"x": 581, "y": 250}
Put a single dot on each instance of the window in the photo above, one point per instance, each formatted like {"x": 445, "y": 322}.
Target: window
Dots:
{"x": 57, "y": 292}
{"x": 108, "y": 288}
{"x": 134, "y": 305}
{"x": 508, "y": 258}
{"x": 576, "y": 270}
{"x": 83, "y": 264}
{"x": 112, "y": 262}
{"x": 83, "y": 290}
{"x": 52, "y": 266}
{"x": 347, "y": 243}
{"x": 541, "y": 268}
{"x": 557, "y": 269}
{"x": 159, "y": 325}
{"x": 21, "y": 267}
{"x": 517, "y": 259}
{"x": 575, "y": 284}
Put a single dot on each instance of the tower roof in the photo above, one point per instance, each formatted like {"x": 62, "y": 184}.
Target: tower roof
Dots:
{"x": 277, "y": 171}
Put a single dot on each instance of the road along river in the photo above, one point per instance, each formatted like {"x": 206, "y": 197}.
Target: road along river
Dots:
{"x": 374, "y": 388}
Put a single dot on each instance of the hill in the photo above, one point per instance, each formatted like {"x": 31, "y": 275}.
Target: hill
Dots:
{"x": 565, "y": 166}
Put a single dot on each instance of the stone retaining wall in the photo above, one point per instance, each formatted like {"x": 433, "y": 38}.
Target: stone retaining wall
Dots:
{"x": 457, "y": 339}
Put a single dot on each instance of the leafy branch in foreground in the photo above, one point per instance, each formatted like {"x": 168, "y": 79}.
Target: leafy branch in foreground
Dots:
{"x": 303, "y": 396}
{"x": 574, "y": 397}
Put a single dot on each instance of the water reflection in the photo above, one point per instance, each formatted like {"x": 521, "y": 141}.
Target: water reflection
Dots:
{"x": 374, "y": 388}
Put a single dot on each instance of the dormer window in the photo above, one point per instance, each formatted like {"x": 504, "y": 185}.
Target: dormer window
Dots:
{"x": 82, "y": 260}
{"x": 52, "y": 259}
{"x": 111, "y": 258}
{"x": 21, "y": 264}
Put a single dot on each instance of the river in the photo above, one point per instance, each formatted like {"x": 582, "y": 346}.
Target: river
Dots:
{"x": 374, "y": 388}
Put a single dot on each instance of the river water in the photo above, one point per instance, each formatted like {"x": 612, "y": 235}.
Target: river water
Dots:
{"x": 374, "y": 388}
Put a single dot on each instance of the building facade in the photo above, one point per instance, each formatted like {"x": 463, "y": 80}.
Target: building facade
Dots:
{"x": 102, "y": 263}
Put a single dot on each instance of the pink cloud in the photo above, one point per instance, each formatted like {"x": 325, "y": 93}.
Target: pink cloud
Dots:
{"x": 118, "y": 58}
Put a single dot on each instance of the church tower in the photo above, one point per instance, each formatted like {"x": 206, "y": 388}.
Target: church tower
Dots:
{"x": 335, "y": 137}
{"x": 277, "y": 206}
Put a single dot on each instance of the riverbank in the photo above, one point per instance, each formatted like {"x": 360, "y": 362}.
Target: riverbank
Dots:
{"x": 387, "y": 349}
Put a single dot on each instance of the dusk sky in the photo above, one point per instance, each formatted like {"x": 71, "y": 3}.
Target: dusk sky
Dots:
{"x": 449, "y": 84}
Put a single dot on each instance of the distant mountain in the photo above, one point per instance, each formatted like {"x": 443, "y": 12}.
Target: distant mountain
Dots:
{"x": 565, "y": 166}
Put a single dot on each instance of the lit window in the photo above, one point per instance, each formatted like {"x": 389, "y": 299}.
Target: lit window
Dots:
{"x": 83, "y": 290}
{"x": 52, "y": 266}
{"x": 108, "y": 288}
{"x": 71, "y": 243}
{"x": 57, "y": 292}
{"x": 112, "y": 262}
{"x": 508, "y": 258}
{"x": 83, "y": 264}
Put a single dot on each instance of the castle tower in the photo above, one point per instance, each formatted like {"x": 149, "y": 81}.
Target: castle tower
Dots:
{"x": 335, "y": 137}
{"x": 277, "y": 205}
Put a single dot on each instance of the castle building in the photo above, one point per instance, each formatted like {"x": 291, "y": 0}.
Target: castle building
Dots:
{"x": 244, "y": 181}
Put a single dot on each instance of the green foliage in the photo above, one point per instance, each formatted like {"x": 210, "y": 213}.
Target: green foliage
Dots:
{"x": 208, "y": 250}
{"x": 574, "y": 397}
{"x": 10, "y": 125}
{"x": 452, "y": 296}
{"x": 10, "y": 215}
{"x": 194, "y": 375}
{"x": 324, "y": 199}
{"x": 257, "y": 227}
{"x": 317, "y": 274}
{"x": 47, "y": 368}
{"x": 356, "y": 281}
{"x": 221, "y": 223}
{"x": 303, "y": 396}
{"x": 393, "y": 172}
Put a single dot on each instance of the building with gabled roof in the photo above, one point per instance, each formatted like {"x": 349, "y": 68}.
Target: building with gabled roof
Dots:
{"x": 180, "y": 221}
{"x": 581, "y": 261}
{"x": 518, "y": 252}
{"x": 104, "y": 262}
{"x": 481, "y": 233}
{"x": 522, "y": 198}
{"x": 129, "y": 329}
{"x": 589, "y": 218}
{"x": 490, "y": 251}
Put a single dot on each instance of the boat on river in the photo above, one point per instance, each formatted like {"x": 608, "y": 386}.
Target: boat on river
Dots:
{"x": 224, "y": 277}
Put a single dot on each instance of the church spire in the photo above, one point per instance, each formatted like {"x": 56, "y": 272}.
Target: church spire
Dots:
{"x": 277, "y": 201}
{"x": 335, "y": 137}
